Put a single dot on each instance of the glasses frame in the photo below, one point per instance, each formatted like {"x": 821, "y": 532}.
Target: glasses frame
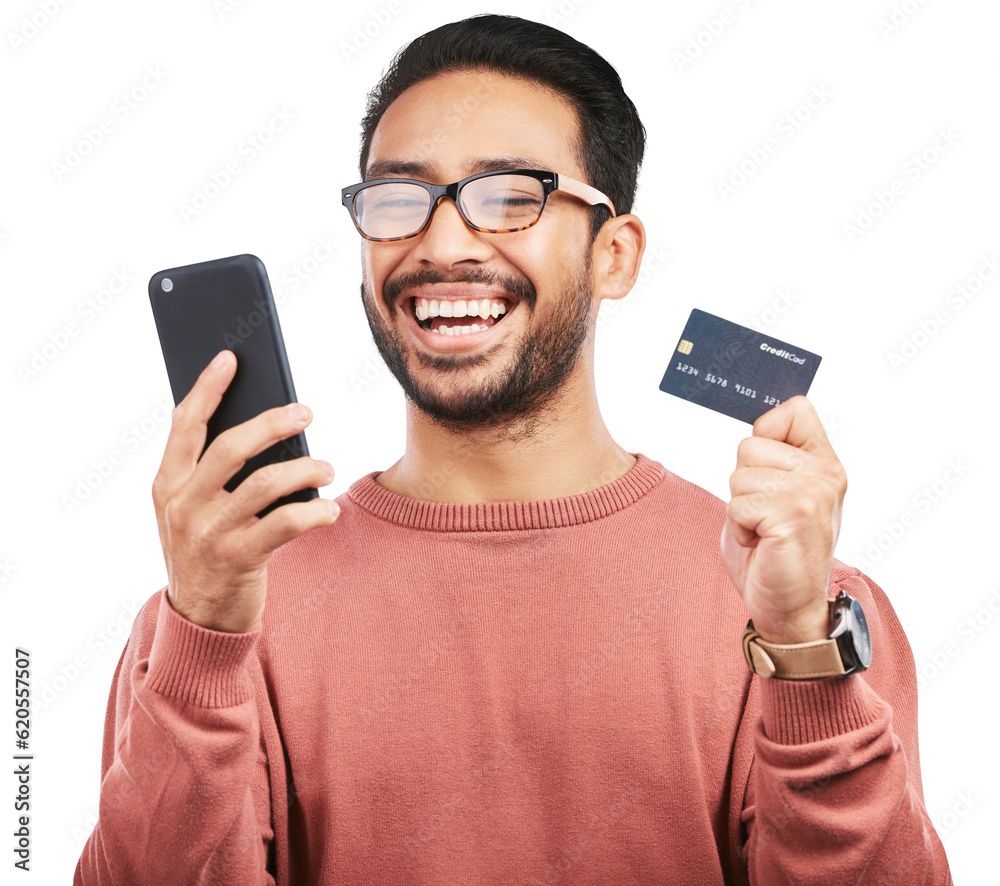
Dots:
{"x": 550, "y": 181}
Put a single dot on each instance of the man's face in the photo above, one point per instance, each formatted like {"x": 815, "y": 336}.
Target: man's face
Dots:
{"x": 441, "y": 130}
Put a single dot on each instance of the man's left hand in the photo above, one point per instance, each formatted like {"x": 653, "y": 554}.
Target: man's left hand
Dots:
{"x": 783, "y": 521}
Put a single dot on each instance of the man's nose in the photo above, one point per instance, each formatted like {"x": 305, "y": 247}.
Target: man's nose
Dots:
{"x": 448, "y": 240}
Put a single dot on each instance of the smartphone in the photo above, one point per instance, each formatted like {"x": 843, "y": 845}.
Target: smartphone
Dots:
{"x": 201, "y": 309}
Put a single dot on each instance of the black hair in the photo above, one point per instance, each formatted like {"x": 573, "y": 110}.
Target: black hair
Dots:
{"x": 611, "y": 135}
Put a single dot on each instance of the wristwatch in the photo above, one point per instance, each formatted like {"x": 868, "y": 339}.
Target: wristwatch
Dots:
{"x": 847, "y": 649}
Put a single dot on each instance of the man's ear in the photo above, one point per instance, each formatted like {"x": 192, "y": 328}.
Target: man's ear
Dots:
{"x": 617, "y": 255}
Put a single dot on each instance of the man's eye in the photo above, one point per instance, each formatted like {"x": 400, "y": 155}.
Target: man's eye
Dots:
{"x": 510, "y": 199}
{"x": 515, "y": 201}
{"x": 397, "y": 203}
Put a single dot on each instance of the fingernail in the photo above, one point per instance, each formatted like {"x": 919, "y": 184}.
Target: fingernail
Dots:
{"x": 219, "y": 361}
{"x": 327, "y": 468}
{"x": 298, "y": 412}
{"x": 334, "y": 508}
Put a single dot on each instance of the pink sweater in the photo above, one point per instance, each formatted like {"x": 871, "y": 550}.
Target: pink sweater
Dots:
{"x": 530, "y": 692}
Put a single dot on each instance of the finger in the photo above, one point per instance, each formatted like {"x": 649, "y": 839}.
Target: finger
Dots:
{"x": 266, "y": 485}
{"x": 765, "y": 452}
{"x": 287, "y": 522}
{"x": 764, "y": 502}
{"x": 189, "y": 422}
{"x": 798, "y": 511}
{"x": 767, "y": 515}
{"x": 744, "y": 536}
{"x": 794, "y": 422}
{"x": 770, "y": 481}
{"x": 230, "y": 450}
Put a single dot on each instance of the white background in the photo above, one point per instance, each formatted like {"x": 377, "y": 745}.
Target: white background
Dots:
{"x": 75, "y": 568}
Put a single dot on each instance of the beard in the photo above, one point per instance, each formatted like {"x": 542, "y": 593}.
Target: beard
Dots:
{"x": 522, "y": 387}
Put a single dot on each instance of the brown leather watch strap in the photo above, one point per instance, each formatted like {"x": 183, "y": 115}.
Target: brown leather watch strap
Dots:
{"x": 796, "y": 661}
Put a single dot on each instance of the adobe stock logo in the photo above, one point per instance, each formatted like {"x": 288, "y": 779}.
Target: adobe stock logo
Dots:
{"x": 58, "y": 339}
{"x": 780, "y": 304}
{"x": 363, "y": 35}
{"x": 899, "y": 16}
{"x": 246, "y": 152}
{"x": 788, "y": 125}
{"x": 32, "y": 26}
{"x": 955, "y": 300}
{"x": 966, "y": 632}
{"x": 914, "y": 168}
{"x": 103, "y": 468}
{"x": 108, "y": 636}
{"x": 922, "y": 503}
{"x": 698, "y": 43}
{"x": 121, "y": 109}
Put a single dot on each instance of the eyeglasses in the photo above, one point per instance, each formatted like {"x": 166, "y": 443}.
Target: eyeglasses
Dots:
{"x": 493, "y": 202}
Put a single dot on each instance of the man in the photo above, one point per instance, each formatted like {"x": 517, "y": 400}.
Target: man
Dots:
{"x": 514, "y": 656}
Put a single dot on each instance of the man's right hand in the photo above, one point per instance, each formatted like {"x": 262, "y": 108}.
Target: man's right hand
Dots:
{"x": 215, "y": 547}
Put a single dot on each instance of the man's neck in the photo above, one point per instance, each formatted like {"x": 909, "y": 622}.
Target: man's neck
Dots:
{"x": 552, "y": 455}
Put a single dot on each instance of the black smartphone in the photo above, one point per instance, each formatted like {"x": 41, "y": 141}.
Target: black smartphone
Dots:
{"x": 201, "y": 309}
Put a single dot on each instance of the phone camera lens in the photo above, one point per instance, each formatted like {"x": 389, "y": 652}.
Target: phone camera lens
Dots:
{"x": 166, "y": 284}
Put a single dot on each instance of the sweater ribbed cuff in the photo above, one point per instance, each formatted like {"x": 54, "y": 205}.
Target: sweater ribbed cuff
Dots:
{"x": 198, "y": 665}
{"x": 802, "y": 711}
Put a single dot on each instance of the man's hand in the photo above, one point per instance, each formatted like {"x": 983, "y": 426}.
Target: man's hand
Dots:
{"x": 783, "y": 521}
{"x": 215, "y": 547}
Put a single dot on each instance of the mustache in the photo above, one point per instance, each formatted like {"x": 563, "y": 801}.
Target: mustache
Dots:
{"x": 521, "y": 287}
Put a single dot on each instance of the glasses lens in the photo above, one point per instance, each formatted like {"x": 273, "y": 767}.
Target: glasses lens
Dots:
{"x": 506, "y": 202}
{"x": 391, "y": 209}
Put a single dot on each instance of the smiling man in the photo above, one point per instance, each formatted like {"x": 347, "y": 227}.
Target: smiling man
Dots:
{"x": 520, "y": 390}
{"x": 515, "y": 655}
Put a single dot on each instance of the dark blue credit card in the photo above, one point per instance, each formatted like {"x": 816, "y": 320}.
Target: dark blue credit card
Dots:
{"x": 735, "y": 370}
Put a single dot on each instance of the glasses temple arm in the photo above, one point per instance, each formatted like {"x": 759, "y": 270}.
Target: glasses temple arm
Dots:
{"x": 584, "y": 192}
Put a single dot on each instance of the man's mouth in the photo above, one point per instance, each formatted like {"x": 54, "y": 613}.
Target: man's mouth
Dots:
{"x": 459, "y": 316}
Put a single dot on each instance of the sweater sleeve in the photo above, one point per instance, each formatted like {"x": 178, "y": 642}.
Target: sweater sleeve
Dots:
{"x": 183, "y": 789}
{"x": 834, "y": 794}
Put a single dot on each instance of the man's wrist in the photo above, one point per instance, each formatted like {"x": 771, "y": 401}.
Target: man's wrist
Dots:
{"x": 844, "y": 649}
{"x": 806, "y": 627}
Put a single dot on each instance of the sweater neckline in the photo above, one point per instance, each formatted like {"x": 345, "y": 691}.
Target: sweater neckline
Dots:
{"x": 549, "y": 513}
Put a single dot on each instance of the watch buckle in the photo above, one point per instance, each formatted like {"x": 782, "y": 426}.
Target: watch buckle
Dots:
{"x": 758, "y": 660}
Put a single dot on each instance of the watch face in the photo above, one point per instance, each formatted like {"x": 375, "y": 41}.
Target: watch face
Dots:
{"x": 858, "y": 627}
{"x": 851, "y": 633}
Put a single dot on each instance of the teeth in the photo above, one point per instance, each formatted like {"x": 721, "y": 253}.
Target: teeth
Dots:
{"x": 484, "y": 308}
{"x": 459, "y": 330}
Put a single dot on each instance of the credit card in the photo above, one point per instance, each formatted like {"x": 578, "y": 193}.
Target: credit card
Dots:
{"x": 735, "y": 370}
